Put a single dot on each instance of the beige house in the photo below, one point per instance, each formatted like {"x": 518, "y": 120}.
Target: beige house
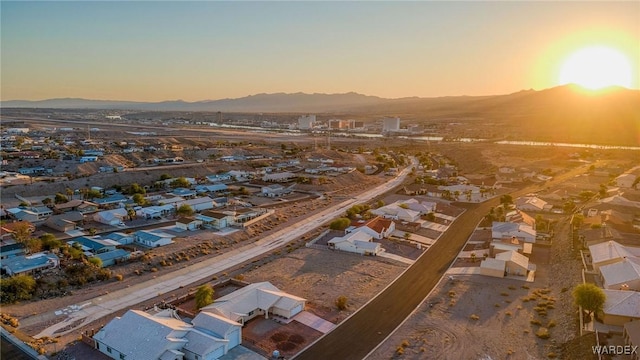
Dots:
{"x": 621, "y": 307}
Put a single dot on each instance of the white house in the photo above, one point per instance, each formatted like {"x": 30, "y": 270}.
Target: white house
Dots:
{"x": 358, "y": 241}
{"x": 141, "y": 336}
{"x": 215, "y": 219}
{"x": 397, "y": 211}
{"x": 621, "y": 307}
{"x": 152, "y": 238}
{"x": 378, "y": 228}
{"x": 188, "y": 223}
{"x": 255, "y": 300}
{"x": 279, "y": 177}
{"x": 532, "y": 203}
{"x": 198, "y": 204}
{"x": 623, "y": 275}
{"x": 492, "y": 267}
{"x": 111, "y": 217}
{"x": 275, "y": 190}
{"x": 610, "y": 252}
{"x": 516, "y": 263}
{"x": 508, "y": 230}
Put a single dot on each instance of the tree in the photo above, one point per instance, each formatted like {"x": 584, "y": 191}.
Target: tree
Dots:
{"x": 95, "y": 261}
{"x": 50, "y": 242}
{"x": 568, "y": 207}
{"x": 19, "y": 287}
{"x": 139, "y": 199}
{"x": 506, "y": 199}
{"x": 204, "y": 296}
{"x": 135, "y": 188}
{"x": 92, "y": 194}
{"x": 590, "y": 297}
{"x": 379, "y": 204}
{"x": 184, "y": 210}
{"x": 180, "y": 182}
{"x": 46, "y": 201}
{"x": 340, "y": 224}
{"x": 165, "y": 177}
{"x": 60, "y": 198}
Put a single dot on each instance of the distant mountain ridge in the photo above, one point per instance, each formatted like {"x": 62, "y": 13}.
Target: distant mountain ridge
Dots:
{"x": 278, "y": 102}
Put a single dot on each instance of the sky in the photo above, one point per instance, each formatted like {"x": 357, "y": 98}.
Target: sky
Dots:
{"x": 207, "y": 50}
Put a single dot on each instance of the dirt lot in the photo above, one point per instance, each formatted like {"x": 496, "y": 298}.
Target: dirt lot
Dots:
{"x": 478, "y": 317}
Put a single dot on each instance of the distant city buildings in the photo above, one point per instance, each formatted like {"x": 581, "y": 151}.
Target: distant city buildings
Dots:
{"x": 390, "y": 124}
{"x": 306, "y": 122}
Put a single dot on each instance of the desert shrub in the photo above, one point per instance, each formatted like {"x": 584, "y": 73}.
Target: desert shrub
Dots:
{"x": 535, "y": 322}
{"x": 474, "y": 317}
{"x": 239, "y": 277}
{"x": 119, "y": 277}
{"x": 552, "y": 355}
{"x": 452, "y": 293}
{"x": 405, "y": 343}
{"x": 526, "y": 287}
{"x": 511, "y": 287}
{"x": 496, "y": 305}
{"x": 508, "y": 313}
{"x": 552, "y": 323}
{"x": 341, "y": 302}
{"x": 543, "y": 333}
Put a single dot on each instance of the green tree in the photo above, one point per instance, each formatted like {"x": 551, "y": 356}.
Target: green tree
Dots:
{"x": 569, "y": 207}
{"x": 340, "y": 224}
{"x": 95, "y": 261}
{"x": 165, "y": 177}
{"x": 180, "y": 182}
{"x": 135, "y": 188}
{"x": 92, "y": 194}
{"x": 60, "y": 198}
{"x": 139, "y": 199}
{"x": 590, "y": 297}
{"x": 50, "y": 242}
{"x": 16, "y": 288}
{"x": 184, "y": 210}
{"x": 47, "y": 201}
{"x": 379, "y": 204}
{"x": 506, "y": 199}
{"x": 204, "y": 296}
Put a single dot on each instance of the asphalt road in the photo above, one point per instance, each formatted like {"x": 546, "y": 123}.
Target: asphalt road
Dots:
{"x": 364, "y": 330}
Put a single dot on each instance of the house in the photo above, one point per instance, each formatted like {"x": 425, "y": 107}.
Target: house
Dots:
{"x": 358, "y": 241}
{"x": 622, "y": 275}
{"x": 255, "y": 300}
{"x": 215, "y": 219}
{"x": 121, "y": 238}
{"x": 95, "y": 245}
{"x": 219, "y": 177}
{"x": 113, "y": 199}
{"x": 621, "y": 307}
{"x": 516, "y": 263}
{"x": 111, "y": 217}
{"x": 188, "y": 223}
{"x": 30, "y": 263}
{"x": 82, "y": 206}
{"x": 215, "y": 188}
{"x": 509, "y": 230}
{"x": 499, "y": 246}
{"x": 276, "y": 190}
{"x": 621, "y": 201}
{"x": 155, "y": 212}
{"x": 279, "y": 177}
{"x": 242, "y": 215}
{"x": 198, "y": 204}
{"x": 22, "y": 214}
{"x": 492, "y": 267}
{"x": 113, "y": 257}
{"x": 152, "y": 238}
{"x": 65, "y": 222}
{"x": 85, "y": 159}
{"x": 11, "y": 249}
{"x": 532, "y": 203}
{"x": 626, "y": 180}
{"x": 610, "y": 252}
{"x": 183, "y": 193}
{"x": 631, "y": 335}
{"x": 378, "y": 227}
{"x": 397, "y": 211}
{"x": 141, "y": 336}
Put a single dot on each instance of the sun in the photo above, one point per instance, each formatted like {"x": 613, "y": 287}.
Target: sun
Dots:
{"x": 596, "y": 67}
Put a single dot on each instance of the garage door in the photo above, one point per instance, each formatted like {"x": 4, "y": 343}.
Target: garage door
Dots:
{"x": 234, "y": 339}
{"x": 296, "y": 310}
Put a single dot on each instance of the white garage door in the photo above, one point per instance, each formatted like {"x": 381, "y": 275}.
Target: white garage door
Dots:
{"x": 234, "y": 339}
{"x": 296, "y": 310}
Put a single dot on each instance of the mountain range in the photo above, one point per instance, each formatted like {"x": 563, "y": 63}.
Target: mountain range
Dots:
{"x": 563, "y": 113}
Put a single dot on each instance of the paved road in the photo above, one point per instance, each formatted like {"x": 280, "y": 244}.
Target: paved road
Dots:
{"x": 357, "y": 336}
{"x": 99, "y": 307}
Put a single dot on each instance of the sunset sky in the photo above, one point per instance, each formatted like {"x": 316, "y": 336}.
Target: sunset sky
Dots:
{"x": 154, "y": 51}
